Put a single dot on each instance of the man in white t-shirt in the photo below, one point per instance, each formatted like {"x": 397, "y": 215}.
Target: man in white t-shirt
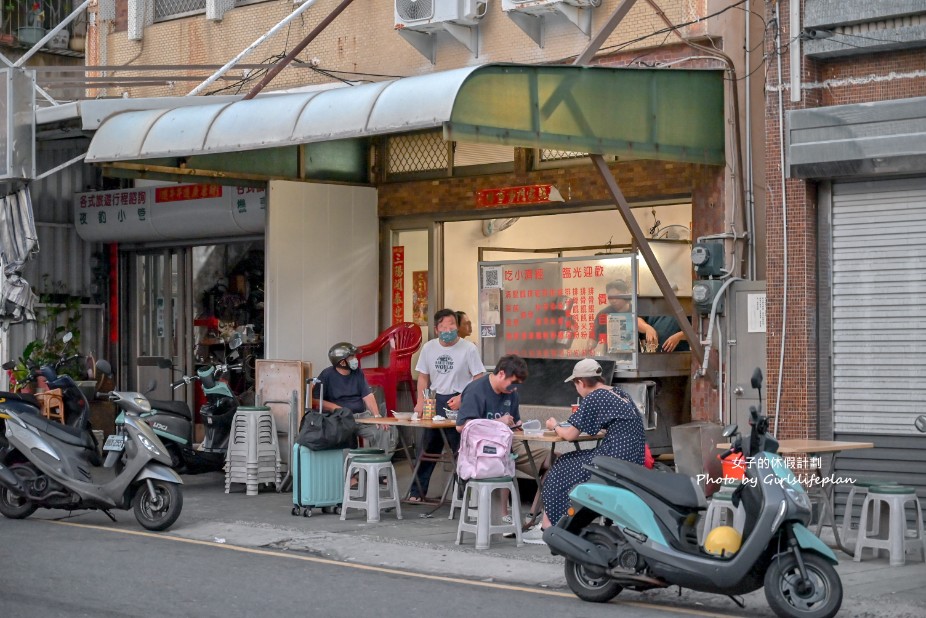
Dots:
{"x": 445, "y": 366}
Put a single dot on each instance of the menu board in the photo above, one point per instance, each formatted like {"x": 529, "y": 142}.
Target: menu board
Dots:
{"x": 569, "y": 308}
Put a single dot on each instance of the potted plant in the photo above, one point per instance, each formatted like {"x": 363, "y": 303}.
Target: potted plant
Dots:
{"x": 57, "y": 322}
{"x": 34, "y": 30}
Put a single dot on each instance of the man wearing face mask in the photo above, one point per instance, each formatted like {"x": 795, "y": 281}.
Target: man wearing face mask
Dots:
{"x": 446, "y": 365}
{"x": 346, "y": 387}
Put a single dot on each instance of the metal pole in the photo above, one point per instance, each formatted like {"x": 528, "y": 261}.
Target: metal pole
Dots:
{"x": 279, "y": 66}
{"x": 250, "y": 48}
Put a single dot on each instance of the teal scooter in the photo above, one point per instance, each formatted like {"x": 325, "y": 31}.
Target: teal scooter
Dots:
{"x": 630, "y": 527}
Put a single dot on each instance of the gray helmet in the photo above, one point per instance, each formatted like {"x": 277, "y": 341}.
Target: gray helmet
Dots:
{"x": 341, "y": 351}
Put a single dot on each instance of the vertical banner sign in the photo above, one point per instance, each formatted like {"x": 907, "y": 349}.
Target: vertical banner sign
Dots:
{"x": 398, "y": 284}
{"x": 420, "y": 297}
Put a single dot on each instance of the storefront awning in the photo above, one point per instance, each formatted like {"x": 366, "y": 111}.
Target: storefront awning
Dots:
{"x": 667, "y": 114}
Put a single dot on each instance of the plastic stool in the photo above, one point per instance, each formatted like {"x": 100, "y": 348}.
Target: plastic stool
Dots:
{"x": 720, "y": 509}
{"x": 860, "y": 487}
{"x": 371, "y": 468}
{"x": 482, "y": 526}
{"x": 892, "y": 534}
{"x": 456, "y": 502}
{"x": 354, "y": 452}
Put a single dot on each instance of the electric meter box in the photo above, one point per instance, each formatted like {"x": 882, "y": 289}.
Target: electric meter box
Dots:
{"x": 703, "y": 293}
{"x": 707, "y": 257}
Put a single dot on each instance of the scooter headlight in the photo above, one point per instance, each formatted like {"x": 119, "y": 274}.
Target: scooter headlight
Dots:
{"x": 798, "y": 498}
{"x": 142, "y": 403}
{"x": 148, "y": 444}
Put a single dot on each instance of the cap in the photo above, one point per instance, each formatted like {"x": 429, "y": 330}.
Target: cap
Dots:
{"x": 586, "y": 368}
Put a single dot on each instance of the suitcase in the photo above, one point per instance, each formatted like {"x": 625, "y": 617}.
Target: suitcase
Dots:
{"x": 318, "y": 480}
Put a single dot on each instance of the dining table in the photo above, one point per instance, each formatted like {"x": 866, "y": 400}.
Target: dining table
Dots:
{"x": 814, "y": 449}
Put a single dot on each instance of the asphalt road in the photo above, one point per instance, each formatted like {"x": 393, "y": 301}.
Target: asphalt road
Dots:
{"x": 53, "y": 569}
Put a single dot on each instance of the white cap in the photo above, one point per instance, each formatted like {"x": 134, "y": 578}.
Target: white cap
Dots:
{"x": 586, "y": 368}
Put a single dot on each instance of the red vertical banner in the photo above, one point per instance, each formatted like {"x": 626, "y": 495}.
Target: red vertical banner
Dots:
{"x": 398, "y": 284}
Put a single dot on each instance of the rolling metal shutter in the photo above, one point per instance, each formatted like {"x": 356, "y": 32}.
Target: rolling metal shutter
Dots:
{"x": 879, "y": 305}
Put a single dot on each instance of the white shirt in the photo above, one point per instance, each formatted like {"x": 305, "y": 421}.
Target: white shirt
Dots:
{"x": 449, "y": 368}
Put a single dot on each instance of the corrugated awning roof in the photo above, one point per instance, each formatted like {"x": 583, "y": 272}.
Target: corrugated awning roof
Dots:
{"x": 665, "y": 114}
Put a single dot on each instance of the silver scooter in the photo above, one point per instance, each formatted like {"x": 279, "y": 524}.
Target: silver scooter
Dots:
{"x": 53, "y": 466}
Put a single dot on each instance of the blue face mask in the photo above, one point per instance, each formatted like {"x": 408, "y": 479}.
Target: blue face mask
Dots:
{"x": 448, "y": 336}
{"x": 353, "y": 364}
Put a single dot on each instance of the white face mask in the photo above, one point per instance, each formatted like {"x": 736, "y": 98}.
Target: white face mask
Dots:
{"x": 353, "y": 363}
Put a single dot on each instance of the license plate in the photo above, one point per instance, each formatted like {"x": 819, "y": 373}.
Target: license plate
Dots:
{"x": 114, "y": 442}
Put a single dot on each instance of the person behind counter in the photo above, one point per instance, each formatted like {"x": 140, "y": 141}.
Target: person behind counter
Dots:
{"x": 618, "y": 293}
{"x": 446, "y": 365}
{"x": 464, "y": 325}
{"x": 665, "y": 331}
{"x": 603, "y": 408}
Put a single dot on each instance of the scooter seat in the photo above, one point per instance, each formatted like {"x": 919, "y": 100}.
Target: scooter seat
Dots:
{"x": 676, "y": 489}
{"x": 174, "y": 407}
{"x": 64, "y": 433}
{"x": 24, "y": 397}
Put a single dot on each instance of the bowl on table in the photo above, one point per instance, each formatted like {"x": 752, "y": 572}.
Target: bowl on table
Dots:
{"x": 403, "y": 416}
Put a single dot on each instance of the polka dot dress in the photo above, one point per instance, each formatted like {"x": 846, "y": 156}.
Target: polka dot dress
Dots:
{"x": 625, "y": 440}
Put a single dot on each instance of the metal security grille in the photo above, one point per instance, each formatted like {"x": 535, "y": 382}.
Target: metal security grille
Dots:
{"x": 879, "y": 305}
{"x": 164, "y": 9}
{"x": 547, "y": 154}
{"x": 412, "y": 10}
{"x": 417, "y": 152}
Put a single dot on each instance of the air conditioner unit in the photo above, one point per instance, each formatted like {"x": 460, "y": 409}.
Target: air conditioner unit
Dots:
{"x": 430, "y": 15}
{"x": 529, "y": 15}
{"x": 419, "y": 21}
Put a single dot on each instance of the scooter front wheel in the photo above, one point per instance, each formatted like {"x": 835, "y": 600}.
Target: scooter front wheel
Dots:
{"x": 15, "y": 507}
{"x": 590, "y": 584}
{"x": 158, "y": 510}
{"x": 820, "y": 596}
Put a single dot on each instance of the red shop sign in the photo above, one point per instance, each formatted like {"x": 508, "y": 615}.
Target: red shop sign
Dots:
{"x": 515, "y": 196}
{"x": 398, "y": 284}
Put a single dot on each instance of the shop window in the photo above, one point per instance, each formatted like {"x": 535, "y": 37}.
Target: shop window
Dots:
{"x": 417, "y": 153}
{"x": 546, "y": 158}
{"x": 169, "y": 9}
{"x": 473, "y": 158}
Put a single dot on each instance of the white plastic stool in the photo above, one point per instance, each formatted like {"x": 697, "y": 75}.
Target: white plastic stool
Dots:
{"x": 456, "y": 501}
{"x": 721, "y": 510}
{"x": 860, "y": 487}
{"x": 482, "y": 526}
{"x": 371, "y": 468}
{"x": 354, "y": 452}
{"x": 892, "y": 534}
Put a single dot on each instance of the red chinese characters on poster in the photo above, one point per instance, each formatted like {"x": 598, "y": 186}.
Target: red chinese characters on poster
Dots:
{"x": 514, "y": 196}
{"x": 398, "y": 284}
{"x": 186, "y": 192}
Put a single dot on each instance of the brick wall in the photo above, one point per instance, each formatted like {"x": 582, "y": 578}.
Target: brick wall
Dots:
{"x": 863, "y": 78}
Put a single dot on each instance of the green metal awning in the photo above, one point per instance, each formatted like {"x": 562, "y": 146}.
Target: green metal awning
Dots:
{"x": 668, "y": 114}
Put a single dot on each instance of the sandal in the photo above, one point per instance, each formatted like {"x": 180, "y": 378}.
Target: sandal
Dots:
{"x": 414, "y": 499}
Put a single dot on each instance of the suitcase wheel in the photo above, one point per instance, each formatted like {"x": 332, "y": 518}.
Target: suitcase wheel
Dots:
{"x": 307, "y": 511}
{"x": 295, "y": 510}
{"x": 336, "y": 510}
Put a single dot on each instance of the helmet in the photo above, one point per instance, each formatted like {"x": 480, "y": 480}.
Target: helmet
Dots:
{"x": 723, "y": 541}
{"x": 340, "y": 351}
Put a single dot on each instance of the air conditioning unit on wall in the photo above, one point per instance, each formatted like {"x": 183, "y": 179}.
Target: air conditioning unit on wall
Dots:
{"x": 419, "y": 22}
{"x": 529, "y": 15}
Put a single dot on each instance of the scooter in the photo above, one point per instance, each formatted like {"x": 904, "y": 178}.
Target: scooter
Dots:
{"x": 173, "y": 422}
{"x": 634, "y": 528}
{"x": 57, "y": 466}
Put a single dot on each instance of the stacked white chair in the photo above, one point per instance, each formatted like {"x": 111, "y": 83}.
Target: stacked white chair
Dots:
{"x": 253, "y": 450}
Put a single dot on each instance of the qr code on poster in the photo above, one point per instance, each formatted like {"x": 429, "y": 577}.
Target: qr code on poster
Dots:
{"x": 491, "y": 277}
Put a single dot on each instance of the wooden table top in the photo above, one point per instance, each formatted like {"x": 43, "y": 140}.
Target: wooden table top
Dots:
{"x": 391, "y": 420}
{"x": 800, "y": 445}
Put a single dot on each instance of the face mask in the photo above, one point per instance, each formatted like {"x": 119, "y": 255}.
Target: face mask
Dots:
{"x": 353, "y": 364}
{"x": 448, "y": 336}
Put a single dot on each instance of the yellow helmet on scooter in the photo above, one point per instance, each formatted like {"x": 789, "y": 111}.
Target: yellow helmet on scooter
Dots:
{"x": 723, "y": 541}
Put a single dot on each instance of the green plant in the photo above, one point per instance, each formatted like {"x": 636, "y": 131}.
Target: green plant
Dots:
{"x": 57, "y": 319}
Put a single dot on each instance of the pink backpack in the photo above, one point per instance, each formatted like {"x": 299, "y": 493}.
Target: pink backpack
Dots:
{"x": 485, "y": 450}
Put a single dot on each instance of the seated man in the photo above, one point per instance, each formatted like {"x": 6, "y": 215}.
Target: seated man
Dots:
{"x": 495, "y": 396}
{"x": 346, "y": 387}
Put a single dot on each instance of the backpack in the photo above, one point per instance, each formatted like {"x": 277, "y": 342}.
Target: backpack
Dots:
{"x": 485, "y": 450}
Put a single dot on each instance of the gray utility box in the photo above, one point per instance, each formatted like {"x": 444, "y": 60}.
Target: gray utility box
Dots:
{"x": 156, "y": 369}
{"x": 746, "y": 342}
{"x": 695, "y": 448}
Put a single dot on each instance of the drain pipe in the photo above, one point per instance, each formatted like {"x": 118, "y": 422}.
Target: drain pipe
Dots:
{"x": 784, "y": 220}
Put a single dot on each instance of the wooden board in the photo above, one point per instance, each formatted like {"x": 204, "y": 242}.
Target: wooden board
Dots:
{"x": 275, "y": 381}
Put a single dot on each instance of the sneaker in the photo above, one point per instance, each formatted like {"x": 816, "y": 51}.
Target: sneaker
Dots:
{"x": 506, "y": 519}
{"x": 533, "y": 536}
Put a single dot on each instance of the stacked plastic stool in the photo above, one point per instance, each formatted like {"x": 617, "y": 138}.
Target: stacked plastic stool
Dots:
{"x": 369, "y": 495}
{"x": 721, "y": 512}
{"x": 253, "y": 450}
{"x": 892, "y": 534}
{"x": 482, "y": 490}
{"x": 860, "y": 488}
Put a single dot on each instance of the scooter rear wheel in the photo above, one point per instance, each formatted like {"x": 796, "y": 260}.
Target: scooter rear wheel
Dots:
{"x": 820, "y": 597}
{"x": 587, "y": 584}
{"x": 15, "y": 507}
{"x": 160, "y": 510}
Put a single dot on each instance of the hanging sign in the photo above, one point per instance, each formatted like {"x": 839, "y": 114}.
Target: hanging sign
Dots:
{"x": 516, "y": 196}
{"x": 175, "y": 212}
{"x": 398, "y": 284}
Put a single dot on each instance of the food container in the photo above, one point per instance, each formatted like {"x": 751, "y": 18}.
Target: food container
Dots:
{"x": 403, "y": 416}
{"x": 428, "y": 409}
{"x": 532, "y": 428}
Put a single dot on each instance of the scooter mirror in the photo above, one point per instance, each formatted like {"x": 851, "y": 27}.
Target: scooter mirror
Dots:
{"x": 920, "y": 423}
{"x": 103, "y": 367}
{"x": 67, "y": 337}
{"x": 8, "y": 365}
{"x": 153, "y": 384}
{"x": 164, "y": 363}
{"x": 757, "y": 378}
{"x": 729, "y": 430}
{"x": 235, "y": 341}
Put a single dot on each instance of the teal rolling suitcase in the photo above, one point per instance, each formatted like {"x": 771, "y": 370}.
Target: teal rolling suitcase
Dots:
{"x": 318, "y": 480}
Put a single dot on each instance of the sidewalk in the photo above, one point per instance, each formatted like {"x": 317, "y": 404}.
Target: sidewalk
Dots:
{"x": 415, "y": 543}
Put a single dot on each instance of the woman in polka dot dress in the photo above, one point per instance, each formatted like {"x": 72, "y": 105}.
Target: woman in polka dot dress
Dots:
{"x": 603, "y": 407}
